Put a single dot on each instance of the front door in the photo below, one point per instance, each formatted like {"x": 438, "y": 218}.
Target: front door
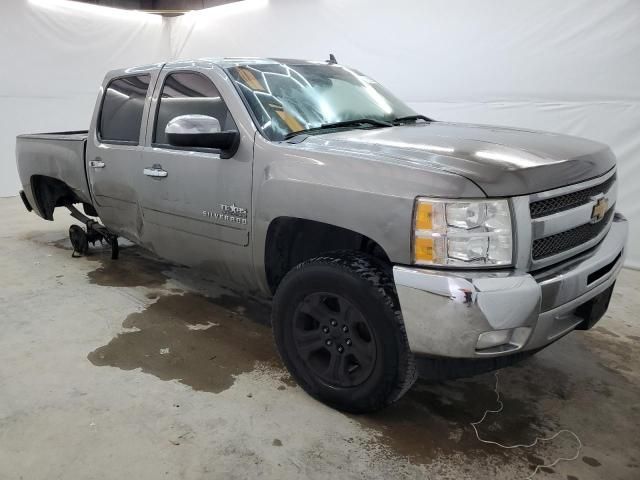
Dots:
{"x": 195, "y": 205}
{"x": 114, "y": 151}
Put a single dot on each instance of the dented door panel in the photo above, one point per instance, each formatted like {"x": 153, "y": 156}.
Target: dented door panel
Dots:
{"x": 199, "y": 214}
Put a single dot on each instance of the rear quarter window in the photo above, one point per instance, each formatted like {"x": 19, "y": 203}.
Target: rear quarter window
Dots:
{"x": 121, "y": 114}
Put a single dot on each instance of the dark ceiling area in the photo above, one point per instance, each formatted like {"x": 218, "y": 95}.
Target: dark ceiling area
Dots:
{"x": 166, "y": 7}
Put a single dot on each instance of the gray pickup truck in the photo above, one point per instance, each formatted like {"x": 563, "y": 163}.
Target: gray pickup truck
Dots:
{"x": 391, "y": 244}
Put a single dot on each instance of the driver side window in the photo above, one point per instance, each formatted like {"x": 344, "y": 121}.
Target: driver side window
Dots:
{"x": 188, "y": 93}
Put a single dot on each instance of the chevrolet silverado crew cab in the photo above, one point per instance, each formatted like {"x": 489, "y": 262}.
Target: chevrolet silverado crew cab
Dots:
{"x": 391, "y": 244}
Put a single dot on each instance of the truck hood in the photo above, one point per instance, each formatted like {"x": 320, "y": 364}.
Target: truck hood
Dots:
{"x": 501, "y": 161}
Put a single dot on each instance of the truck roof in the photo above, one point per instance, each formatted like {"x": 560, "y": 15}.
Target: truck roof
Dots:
{"x": 224, "y": 62}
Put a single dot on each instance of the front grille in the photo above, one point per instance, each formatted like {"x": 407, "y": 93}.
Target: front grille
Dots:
{"x": 549, "y": 206}
{"x": 563, "y": 241}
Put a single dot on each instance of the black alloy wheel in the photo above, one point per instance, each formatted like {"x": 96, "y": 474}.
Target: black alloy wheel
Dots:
{"x": 335, "y": 339}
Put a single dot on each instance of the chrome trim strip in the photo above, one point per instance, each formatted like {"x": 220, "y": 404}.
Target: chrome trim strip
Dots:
{"x": 521, "y": 225}
{"x": 534, "y": 197}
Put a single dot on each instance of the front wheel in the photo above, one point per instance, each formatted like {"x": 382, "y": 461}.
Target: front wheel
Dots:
{"x": 338, "y": 328}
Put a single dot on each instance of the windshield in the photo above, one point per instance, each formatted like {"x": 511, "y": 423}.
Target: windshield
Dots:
{"x": 287, "y": 98}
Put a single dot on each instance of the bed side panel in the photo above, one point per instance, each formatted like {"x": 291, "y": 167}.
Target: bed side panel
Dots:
{"x": 60, "y": 156}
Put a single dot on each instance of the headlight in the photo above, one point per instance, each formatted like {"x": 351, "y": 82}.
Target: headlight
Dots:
{"x": 456, "y": 233}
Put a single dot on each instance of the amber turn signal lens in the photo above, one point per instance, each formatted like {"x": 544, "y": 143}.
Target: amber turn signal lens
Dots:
{"x": 424, "y": 212}
{"x": 423, "y": 249}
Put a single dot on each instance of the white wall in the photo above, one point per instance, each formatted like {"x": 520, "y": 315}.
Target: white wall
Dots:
{"x": 571, "y": 67}
{"x": 53, "y": 57}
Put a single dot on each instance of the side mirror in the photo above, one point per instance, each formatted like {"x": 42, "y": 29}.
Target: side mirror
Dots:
{"x": 202, "y": 131}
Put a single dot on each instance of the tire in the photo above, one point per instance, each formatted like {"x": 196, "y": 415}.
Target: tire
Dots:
{"x": 339, "y": 331}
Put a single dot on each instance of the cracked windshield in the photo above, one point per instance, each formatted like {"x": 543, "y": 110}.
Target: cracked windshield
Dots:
{"x": 290, "y": 98}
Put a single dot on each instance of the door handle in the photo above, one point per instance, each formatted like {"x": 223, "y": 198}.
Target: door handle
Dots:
{"x": 155, "y": 171}
{"x": 97, "y": 163}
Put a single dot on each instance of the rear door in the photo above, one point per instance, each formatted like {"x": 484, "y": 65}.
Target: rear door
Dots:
{"x": 114, "y": 149}
{"x": 196, "y": 205}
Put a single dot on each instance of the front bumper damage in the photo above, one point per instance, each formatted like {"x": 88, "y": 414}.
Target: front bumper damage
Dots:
{"x": 480, "y": 314}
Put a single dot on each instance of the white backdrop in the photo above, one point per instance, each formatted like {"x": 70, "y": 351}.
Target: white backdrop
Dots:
{"x": 53, "y": 57}
{"x": 570, "y": 67}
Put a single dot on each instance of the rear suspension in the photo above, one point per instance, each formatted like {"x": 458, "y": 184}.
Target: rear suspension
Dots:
{"x": 95, "y": 232}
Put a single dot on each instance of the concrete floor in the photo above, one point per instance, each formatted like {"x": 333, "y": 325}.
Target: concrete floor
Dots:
{"x": 136, "y": 369}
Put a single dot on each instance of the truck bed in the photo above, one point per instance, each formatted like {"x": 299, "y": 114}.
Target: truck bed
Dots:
{"x": 57, "y": 155}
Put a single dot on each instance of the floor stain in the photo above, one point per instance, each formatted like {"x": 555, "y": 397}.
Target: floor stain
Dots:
{"x": 205, "y": 359}
{"x": 55, "y": 239}
{"x": 617, "y": 358}
{"x": 592, "y": 462}
{"x": 606, "y": 332}
{"x": 133, "y": 269}
{"x": 433, "y": 419}
{"x": 288, "y": 380}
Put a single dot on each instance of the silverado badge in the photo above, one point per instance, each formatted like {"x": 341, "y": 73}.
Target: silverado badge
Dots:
{"x": 230, "y": 213}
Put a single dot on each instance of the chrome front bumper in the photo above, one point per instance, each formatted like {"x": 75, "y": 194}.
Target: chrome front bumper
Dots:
{"x": 466, "y": 314}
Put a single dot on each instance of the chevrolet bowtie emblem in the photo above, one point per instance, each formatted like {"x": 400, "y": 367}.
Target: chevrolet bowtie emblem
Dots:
{"x": 599, "y": 209}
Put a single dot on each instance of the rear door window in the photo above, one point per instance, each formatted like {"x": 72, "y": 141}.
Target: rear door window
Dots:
{"x": 122, "y": 107}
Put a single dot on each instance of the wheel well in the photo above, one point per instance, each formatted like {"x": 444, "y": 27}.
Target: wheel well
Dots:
{"x": 50, "y": 193}
{"x": 291, "y": 241}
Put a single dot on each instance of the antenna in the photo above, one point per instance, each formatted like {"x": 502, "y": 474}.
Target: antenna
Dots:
{"x": 332, "y": 59}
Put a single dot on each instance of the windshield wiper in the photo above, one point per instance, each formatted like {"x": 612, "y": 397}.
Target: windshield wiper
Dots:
{"x": 346, "y": 123}
{"x": 410, "y": 118}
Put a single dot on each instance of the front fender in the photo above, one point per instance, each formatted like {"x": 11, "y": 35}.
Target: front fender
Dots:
{"x": 372, "y": 198}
